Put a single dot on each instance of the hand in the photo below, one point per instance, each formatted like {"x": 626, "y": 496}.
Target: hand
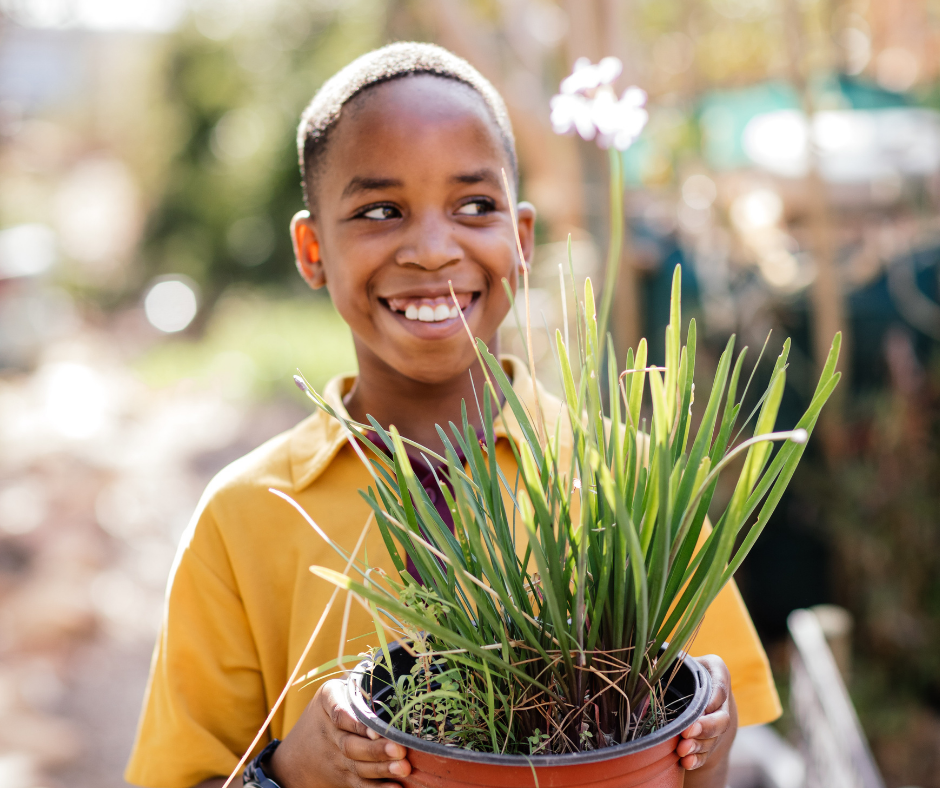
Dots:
{"x": 330, "y": 748}
{"x": 707, "y": 741}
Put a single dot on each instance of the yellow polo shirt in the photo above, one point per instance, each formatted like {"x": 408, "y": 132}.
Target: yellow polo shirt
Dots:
{"x": 241, "y": 602}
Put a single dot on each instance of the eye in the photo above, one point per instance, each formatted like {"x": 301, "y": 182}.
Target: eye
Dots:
{"x": 380, "y": 212}
{"x": 479, "y": 206}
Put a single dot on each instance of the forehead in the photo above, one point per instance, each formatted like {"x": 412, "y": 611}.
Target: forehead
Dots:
{"x": 440, "y": 122}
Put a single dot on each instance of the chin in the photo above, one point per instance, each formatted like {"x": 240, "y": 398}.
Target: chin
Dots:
{"x": 436, "y": 368}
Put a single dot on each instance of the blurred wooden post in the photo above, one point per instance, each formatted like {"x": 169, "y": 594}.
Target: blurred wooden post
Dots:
{"x": 626, "y": 321}
{"x": 828, "y": 308}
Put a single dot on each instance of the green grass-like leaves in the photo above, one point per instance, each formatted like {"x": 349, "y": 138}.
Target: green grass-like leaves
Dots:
{"x": 563, "y": 597}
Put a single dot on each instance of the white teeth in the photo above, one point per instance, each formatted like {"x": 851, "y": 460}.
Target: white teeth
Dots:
{"x": 428, "y": 313}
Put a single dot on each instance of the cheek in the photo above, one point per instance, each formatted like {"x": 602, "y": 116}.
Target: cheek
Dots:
{"x": 503, "y": 266}
{"x": 349, "y": 264}
{"x": 349, "y": 292}
{"x": 497, "y": 254}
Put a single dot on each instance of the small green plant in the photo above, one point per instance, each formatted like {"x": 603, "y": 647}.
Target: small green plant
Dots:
{"x": 551, "y": 618}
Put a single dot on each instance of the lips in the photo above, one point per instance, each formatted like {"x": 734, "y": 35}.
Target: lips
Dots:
{"x": 429, "y": 308}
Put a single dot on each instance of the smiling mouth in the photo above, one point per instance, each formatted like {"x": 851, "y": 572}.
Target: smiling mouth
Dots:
{"x": 434, "y": 309}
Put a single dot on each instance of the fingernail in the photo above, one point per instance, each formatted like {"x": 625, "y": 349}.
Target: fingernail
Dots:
{"x": 393, "y": 750}
{"x": 371, "y": 734}
{"x": 695, "y": 730}
{"x": 398, "y": 767}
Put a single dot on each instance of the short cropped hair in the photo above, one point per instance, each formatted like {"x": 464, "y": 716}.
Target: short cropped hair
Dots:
{"x": 395, "y": 61}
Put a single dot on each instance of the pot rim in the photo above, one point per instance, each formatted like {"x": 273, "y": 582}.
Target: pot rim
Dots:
{"x": 691, "y": 713}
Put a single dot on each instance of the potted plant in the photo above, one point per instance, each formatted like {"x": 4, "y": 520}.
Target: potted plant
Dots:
{"x": 543, "y": 639}
{"x": 540, "y": 640}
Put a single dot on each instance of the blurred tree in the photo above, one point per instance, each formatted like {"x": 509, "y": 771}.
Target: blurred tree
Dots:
{"x": 238, "y": 88}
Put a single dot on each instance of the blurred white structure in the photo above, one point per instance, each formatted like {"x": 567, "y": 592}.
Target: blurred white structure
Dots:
{"x": 762, "y": 758}
{"x": 147, "y": 15}
{"x": 851, "y": 146}
{"x": 833, "y": 752}
{"x": 833, "y": 744}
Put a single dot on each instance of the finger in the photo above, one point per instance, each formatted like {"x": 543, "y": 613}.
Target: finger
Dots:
{"x": 719, "y": 697}
{"x": 718, "y": 716}
{"x": 341, "y": 715}
{"x": 694, "y": 746}
{"x": 708, "y": 726}
{"x": 720, "y": 681}
{"x": 691, "y": 762}
{"x": 355, "y": 781}
{"x": 388, "y": 770}
{"x": 359, "y": 748}
{"x": 714, "y": 715}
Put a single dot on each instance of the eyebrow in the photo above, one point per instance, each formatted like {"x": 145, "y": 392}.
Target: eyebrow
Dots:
{"x": 364, "y": 184}
{"x": 485, "y": 175}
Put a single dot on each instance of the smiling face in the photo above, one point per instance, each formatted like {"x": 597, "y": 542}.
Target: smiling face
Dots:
{"x": 410, "y": 200}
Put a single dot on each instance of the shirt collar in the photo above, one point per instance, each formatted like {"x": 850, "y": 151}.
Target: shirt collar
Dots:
{"x": 318, "y": 438}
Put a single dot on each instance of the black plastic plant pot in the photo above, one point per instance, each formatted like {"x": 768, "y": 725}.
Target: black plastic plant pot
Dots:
{"x": 650, "y": 761}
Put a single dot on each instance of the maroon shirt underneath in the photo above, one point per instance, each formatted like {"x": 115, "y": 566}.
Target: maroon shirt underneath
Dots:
{"x": 425, "y": 475}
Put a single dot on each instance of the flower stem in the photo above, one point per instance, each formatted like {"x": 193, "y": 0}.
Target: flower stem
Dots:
{"x": 615, "y": 245}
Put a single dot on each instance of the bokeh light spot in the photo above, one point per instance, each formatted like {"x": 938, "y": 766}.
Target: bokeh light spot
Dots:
{"x": 170, "y": 305}
{"x": 23, "y": 507}
{"x": 699, "y": 192}
{"x": 897, "y": 69}
{"x": 756, "y": 210}
{"x": 75, "y": 399}
{"x": 779, "y": 268}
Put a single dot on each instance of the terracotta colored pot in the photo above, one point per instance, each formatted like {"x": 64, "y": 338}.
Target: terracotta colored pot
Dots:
{"x": 650, "y": 761}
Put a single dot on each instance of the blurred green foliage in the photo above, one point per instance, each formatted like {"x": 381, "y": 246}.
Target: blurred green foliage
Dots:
{"x": 883, "y": 519}
{"x": 234, "y": 184}
{"x": 252, "y": 346}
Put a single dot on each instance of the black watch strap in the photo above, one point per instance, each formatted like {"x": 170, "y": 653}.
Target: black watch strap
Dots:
{"x": 254, "y": 775}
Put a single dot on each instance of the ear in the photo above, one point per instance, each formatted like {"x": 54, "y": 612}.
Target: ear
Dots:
{"x": 303, "y": 230}
{"x": 525, "y": 216}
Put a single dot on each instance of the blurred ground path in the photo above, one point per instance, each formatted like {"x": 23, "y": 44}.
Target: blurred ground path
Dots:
{"x": 106, "y": 681}
{"x": 99, "y": 475}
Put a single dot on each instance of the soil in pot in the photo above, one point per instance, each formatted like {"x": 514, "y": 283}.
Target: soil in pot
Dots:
{"x": 650, "y": 761}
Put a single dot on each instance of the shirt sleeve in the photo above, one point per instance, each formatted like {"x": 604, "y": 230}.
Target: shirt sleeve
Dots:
{"x": 727, "y": 630}
{"x": 205, "y": 699}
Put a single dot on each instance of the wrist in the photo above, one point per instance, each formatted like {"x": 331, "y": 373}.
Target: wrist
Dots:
{"x": 258, "y": 773}
{"x": 278, "y": 767}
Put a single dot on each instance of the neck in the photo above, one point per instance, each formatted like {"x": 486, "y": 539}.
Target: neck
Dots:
{"x": 415, "y": 407}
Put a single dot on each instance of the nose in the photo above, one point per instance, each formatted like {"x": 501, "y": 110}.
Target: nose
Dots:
{"x": 430, "y": 243}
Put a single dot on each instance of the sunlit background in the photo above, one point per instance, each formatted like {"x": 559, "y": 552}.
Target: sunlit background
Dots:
{"x": 151, "y": 317}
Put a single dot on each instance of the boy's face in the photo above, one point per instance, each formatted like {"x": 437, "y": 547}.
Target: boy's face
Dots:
{"x": 410, "y": 197}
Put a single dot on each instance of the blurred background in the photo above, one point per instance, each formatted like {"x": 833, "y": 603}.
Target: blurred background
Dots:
{"x": 151, "y": 317}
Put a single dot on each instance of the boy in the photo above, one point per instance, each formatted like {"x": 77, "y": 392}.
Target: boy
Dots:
{"x": 401, "y": 154}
